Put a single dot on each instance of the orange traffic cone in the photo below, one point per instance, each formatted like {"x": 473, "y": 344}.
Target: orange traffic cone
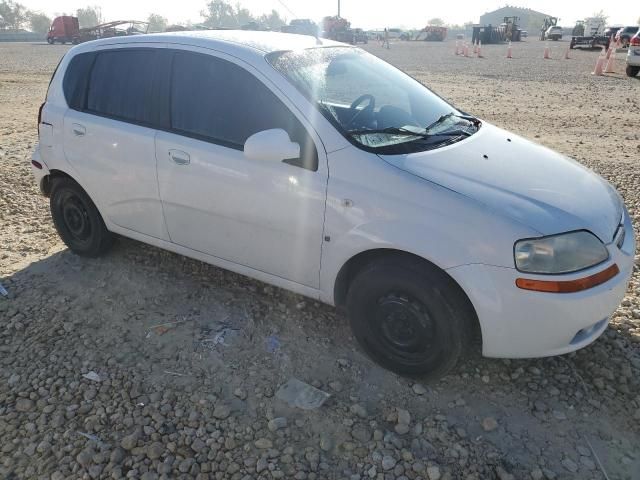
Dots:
{"x": 599, "y": 64}
{"x": 566, "y": 54}
{"x": 509, "y": 51}
{"x": 609, "y": 50}
{"x": 479, "y": 52}
{"x": 547, "y": 52}
{"x": 611, "y": 63}
{"x": 466, "y": 50}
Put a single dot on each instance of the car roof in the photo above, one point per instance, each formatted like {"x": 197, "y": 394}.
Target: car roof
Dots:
{"x": 237, "y": 42}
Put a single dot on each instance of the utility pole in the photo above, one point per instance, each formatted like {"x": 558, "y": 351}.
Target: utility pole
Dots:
{"x": 338, "y": 8}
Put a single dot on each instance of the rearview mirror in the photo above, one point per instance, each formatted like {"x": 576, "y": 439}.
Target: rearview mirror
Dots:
{"x": 271, "y": 145}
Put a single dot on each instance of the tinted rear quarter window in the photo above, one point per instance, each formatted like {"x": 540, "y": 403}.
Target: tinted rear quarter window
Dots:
{"x": 74, "y": 84}
{"x": 218, "y": 101}
{"x": 121, "y": 85}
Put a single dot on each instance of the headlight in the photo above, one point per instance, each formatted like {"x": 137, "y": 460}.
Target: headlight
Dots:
{"x": 564, "y": 253}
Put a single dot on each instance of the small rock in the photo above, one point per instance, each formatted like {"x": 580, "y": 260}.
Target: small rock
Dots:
{"x": 489, "y": 424}
{"x": 84, "y": 457}
{"x": 24, "y": 404}
{"x": 388, "y": 462}
{"x": 336, "y": 386}
{"x": 261, "y": 465}
{"x": 326, "y": 442}
{"x": 198, "y": 445}
{"x": 419, "y": 389}
{"x": 263, "y": 443}
{"x": 359, "y": 410}
{"x": 117, "y": 456}
{"x": 277, "y": 423}
{"x": 404, "y": 417}
{"x": 130, "y": 441}
{"x": 155, "y": 450}
{"x": 402, "y": 429}
{"x": 240, "y": 393}
{"x": 433, "y": 472}
{"x": 537, "y": 474}
{"x": 569, "y": 465}
{"x": 361, "y": 433}
{"x": 221, "y": 411}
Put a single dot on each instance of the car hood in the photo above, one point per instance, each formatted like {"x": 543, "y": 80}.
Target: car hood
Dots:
{"x": 522, "y": 180}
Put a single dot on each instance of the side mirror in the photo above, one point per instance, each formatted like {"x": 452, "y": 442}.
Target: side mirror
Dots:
{"x": 271, "y": 145}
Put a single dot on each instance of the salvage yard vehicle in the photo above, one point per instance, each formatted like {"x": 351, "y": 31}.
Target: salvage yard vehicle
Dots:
{"x": 67, "y": 29}
{"x": 554, "y": 33}
{"x": 624, "y": 35}
{"x": 589, "y": 33}
{"x": 633, "y": 56}
{"x": 319, "y": 168}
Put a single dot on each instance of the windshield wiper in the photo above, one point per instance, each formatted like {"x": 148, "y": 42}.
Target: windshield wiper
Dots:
{"x": 446, "y": 116}
{"x": 411, "y": 132}
{"x": 390, "y": 131}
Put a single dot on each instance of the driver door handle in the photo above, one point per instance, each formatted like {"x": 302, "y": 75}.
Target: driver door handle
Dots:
{"x": 179, "y": 157}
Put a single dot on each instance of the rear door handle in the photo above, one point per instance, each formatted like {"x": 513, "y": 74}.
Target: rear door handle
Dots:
{"x": 180, "y": 157}
{"x": 78, "y": 129}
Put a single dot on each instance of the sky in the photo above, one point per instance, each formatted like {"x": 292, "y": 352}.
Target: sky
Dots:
{"x": 368, "y": 14}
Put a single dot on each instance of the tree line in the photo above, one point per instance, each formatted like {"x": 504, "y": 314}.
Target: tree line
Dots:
{"x": 217, "y": 14}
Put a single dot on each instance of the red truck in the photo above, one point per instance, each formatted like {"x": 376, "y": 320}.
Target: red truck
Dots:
{"x": 64, "y": 29}
{"x": 67, "y": 29}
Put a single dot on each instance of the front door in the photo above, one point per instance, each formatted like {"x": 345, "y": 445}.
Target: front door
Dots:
{"x": 264, "y": 215}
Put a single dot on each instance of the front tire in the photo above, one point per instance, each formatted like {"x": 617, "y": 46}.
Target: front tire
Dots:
{"x": 409, "y": 316}
{"x": 77, "y": 219}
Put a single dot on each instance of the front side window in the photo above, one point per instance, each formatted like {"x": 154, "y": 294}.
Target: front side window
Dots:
{"x": 218, "y": 101}
{"x": 375, "y": 105}
{"x": 121, "y": 85}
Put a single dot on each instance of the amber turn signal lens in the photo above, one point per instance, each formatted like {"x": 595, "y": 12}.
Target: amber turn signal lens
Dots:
{"x": 568, "y": 286}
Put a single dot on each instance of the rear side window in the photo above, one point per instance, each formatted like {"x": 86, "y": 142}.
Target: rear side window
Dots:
{"x": 218, "y": 101}
{"x": 121, "y": 85}
{"x": 74, "y": 84}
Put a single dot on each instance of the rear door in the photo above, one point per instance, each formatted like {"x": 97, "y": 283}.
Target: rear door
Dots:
{"x": 109, "y": 136}
{"x": 264, "y": 215}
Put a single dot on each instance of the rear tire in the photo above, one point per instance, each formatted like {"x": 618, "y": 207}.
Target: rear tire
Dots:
{"x": 77, "y": 219}
{"x": 632, "y": 71}
{"x": 410, "y": 317}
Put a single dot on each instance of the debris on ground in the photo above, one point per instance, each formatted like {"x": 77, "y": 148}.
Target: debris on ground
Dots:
{"x": 3, "y": 291}
{"x": 93, "y": 376}
{"x": 302, "y": 395}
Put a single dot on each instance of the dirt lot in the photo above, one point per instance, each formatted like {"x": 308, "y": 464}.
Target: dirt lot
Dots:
{"x": 197, "y": 398}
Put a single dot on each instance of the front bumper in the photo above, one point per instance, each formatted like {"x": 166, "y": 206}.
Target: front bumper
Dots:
{"x": 518, "y": 323}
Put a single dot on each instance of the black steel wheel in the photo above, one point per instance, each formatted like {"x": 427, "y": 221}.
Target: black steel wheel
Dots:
{"x": 409, "y": 316}
{"x": 77, "y": 219}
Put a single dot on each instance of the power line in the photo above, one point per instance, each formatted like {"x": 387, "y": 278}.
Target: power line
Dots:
{"x": 287, "y": 8}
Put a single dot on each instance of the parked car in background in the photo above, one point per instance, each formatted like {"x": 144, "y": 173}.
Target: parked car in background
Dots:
{"x": 395, "y": 33}
{"x": 360, "y": 36}
{"x": 633, "y": 56}
{"x": 554, "y": 33}
{"x": 612, "y": 31}
{"x": 625, "y": 34}
{"x": 318, "y": 167}
{"x": 524, "y": 34}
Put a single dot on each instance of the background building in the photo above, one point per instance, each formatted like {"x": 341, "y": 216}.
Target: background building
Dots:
{"x": 530, "y": 20}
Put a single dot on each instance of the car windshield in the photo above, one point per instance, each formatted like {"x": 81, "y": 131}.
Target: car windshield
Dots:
{"x": 373, "y": 104}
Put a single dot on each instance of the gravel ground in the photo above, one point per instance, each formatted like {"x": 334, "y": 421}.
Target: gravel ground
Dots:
{"x": 90, "y": 387}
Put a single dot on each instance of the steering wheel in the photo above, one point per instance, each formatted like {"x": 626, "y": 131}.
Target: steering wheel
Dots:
{"x": 368, "y": 109}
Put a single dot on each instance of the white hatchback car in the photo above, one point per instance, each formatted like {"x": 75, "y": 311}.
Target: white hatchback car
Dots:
{"x": 319, "y": 168}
